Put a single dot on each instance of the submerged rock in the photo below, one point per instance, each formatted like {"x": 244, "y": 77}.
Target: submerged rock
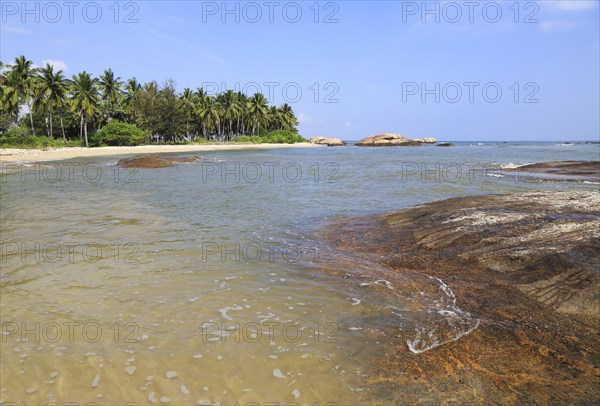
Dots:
{"x": 155, "y": 161}
{"x": 525, "y": 266}
{"x": 445, "y": 144}
{"x": 385, "y": 140}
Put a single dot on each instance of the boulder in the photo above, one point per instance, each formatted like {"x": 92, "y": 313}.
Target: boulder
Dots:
{"x": 445, "y": 144}
{"x": 426, "y": 140}
{"x": 385, "y": 140}
{"x": 154, "y": 161}
{"x": 330, "y": 142}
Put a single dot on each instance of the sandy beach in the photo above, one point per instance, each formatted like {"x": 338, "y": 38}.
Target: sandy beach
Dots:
{"x": 58, "y": 154}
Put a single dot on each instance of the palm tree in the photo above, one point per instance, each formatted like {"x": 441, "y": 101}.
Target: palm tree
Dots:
{"x": 10, "y": 94}
{"x": 84, "y": 100}
{"x": 209, "y": 116}
{"x": 231, "y": 109}
{"x": 258, "y": 110}
{"x": 287, "y": 117}
{"x": 23, "y": 83}
{"x": 187, "y": 100}
{"x": 131, "y": 98}
{"x": 52, "y": 87}
{"x": 111, "y": 91}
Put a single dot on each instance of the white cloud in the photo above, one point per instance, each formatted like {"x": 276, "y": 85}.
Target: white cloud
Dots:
{"x": 572, "y": 5}
{"x": 305, "y": 119}
{"x": 16, "y": 30}
{"x": 58, "y": 65}
{"x": 557, "y": 25}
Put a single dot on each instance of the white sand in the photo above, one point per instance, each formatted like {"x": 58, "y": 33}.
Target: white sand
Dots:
{"x": 57, "y": 154}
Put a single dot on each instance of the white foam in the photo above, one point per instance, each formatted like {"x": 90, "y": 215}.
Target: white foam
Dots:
{"x": 430, "y": 336}
{"x": 96, "y": 381}
{"x": 224, "y": 311}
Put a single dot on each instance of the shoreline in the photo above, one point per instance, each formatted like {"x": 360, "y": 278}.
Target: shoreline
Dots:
{"x": 59, "y": 154}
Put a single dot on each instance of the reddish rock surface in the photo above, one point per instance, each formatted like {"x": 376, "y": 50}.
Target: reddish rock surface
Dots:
{"x": 525, "y": 265}
{"x": 561, "y": 170}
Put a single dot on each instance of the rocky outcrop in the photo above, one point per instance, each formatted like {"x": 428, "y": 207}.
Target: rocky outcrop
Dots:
{"x": 154, "y": 161}
{"x": 426, "y": 140}
{"x": 386, "y": 140}
{"x": 330, "y": 142}
{"x": 560, "y": 170}
{"x": 523, "y": 271}
{"x": 445, "y": 144}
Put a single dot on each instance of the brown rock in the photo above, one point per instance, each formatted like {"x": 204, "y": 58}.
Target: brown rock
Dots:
{"x": 386, "y": 140}
{"x": 560, "y": 170}
{"x": 154, "y": 161}
{"x": 524, "y": 265}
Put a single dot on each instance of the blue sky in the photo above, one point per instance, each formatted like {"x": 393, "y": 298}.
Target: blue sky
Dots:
{"x": 348, "y": 68}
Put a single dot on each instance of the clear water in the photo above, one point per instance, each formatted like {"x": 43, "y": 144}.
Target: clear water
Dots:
{"x": 186, "y": 285}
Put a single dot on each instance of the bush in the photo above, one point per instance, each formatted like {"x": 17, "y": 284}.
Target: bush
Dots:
{"x": 20, "y": 137}
{"x": 116, "y": 134}
{"x": 274, "y": 137}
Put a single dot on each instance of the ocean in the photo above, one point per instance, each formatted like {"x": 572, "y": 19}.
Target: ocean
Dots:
{"x": 207, "y": 282}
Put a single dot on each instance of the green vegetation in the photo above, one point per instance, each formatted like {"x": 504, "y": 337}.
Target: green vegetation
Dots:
{"x": 117, "y": 133}
{"x": 96, "y": 111}
{"x": 274, "y": 137}
{"x": 18, "y": 137}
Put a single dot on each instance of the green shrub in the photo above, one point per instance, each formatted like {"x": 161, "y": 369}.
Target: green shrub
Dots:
{"x": 20, "y": 137}
{"x": 117, "y": 133}
{"x": 274, "y": 137}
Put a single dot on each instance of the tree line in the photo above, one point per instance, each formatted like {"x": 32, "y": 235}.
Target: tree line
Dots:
{"x": 72, "y": 108}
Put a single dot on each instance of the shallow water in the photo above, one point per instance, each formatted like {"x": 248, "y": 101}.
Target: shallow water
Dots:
{"x": 204, "y": 282}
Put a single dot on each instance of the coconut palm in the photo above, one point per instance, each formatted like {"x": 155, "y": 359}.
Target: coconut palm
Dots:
{"x": 209, "y": 116}
{"x": 110, "y": 87}
{"x": 258, "y": 110}
{"x": 287, "y": 117}
{"x": 231, "y": 109}
{"x": 131, "y": 98}
{"x": 10, "y": 94}
{"x": 187, "y": 103}
{"x": 52, "y": 88}
{"x": 23, "y": 82}
{"x": 84, "y": 100}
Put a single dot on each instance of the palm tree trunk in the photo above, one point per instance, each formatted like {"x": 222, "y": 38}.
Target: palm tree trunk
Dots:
{"x": 63, "y": 130}
{"x": 30, "y": 116}
{"x": 81, "y": 128}
{"x": 51, "y": 134}
{"x": 85, "y": 132}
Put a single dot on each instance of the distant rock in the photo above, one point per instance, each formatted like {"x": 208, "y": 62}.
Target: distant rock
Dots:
{"x": 387, "y": 140}
{"x": 330, "y": 142}
{"x": 426, "y": 140}
{"x": 445, "y": 144}
{"x": 155, "y": 161}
